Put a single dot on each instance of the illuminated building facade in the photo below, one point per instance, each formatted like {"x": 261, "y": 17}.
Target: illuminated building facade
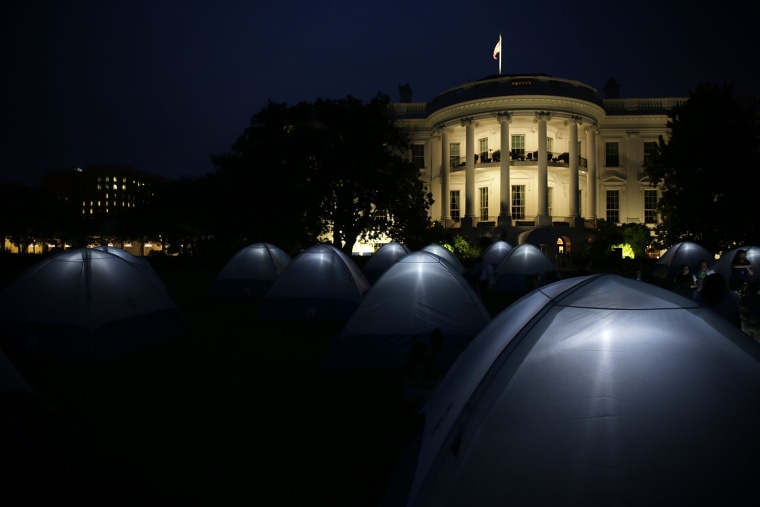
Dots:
{"x": 509, "y": 154}
{"x": 102, "y": 191}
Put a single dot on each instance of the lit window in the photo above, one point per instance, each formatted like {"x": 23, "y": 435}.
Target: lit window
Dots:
{"x": 483, "y": 203}
{"x": 613, "y": 206}
{"x": 454, "y": 195}
{"x": 115, "y": 186}
{"x": 418, "y": 156}
{"x": 518, "y": 146}
{"x": 650, "y": 148}
{"x": 99, "y": 186}
{"x": 650, "y": 206}
{"x": 483, "y": 149}
{"x": 518, "y": 202}
{"x": 612, "y": 155}
{"x": 549, "y": 199}
{"x": 454, "y": 156}
{"x": 123, "y": 187}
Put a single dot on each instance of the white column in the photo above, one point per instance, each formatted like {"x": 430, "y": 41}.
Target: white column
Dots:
{"x": 505, "y": 188}
{"x": 575, "y": 219}
{"x": 445, "y": 168}
{"x": 469, "y": 178}
{"x": 591, "y": 183}
{"x": 543, "y": 218}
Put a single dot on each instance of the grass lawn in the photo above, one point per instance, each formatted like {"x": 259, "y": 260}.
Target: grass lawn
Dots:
{"x": 239, "y": 412}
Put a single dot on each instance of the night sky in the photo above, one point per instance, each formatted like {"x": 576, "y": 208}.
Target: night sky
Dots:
{"x": 163, "y": 85}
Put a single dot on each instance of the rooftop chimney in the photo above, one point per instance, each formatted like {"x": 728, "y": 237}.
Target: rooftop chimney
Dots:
{"x": 405, "y": 93}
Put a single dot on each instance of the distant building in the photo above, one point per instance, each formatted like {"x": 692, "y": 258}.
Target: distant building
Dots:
{"x": 508, "y": 154}
{"x": 102, "y": 190}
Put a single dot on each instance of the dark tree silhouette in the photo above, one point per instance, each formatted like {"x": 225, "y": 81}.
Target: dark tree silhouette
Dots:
{"x": 709, "y": 170}
{"x": 331, "y": 166}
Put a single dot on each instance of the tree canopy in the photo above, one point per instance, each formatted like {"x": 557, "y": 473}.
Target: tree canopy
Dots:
{"x": 329, "y": 166}
{"x": 709, "y": 169}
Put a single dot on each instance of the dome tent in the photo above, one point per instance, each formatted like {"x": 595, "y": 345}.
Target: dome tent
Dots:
{"x": 723, "y": 265}
{"x": 139, "y": 262}
{"x": 496, "y": 252}
{"x": 85, "y": 304}
{"x": 513, "y": 274}
{"x": 250, "y": 272}
{"x": 418, "y": 293}
{"x": 446, "y": 254}
{"x": 669, "y": 265}
{"x": 595, "y": 390}
{"x": 382, "y": 259}
{"x": 322, "y": 284}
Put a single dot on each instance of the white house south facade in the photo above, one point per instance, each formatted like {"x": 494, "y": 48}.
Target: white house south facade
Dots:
{"x": 514, "y": 153}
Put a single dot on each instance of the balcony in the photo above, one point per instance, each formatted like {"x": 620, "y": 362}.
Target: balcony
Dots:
{"x": 522, "y": 159}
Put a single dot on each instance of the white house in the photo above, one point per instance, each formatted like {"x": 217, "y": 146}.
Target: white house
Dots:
{"x": 507, "y": 154}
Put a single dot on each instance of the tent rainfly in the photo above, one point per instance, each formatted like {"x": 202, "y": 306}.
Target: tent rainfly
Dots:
{"x": 446, "y": 254}
{"x": 382, "y": 259}
{"x": 595, "y": 390}
{"x": 723, "y": 265}
{"x": 321, "y": 284}
{"x": 418, "y": 293}
{"x": 86, "y": 304}
{"x": 250, "y": 272}
{"x": 669, "y": 265}
{"x": 139, "y": 263}
{"x": 496, "y": 252}
{"x": 522, "y": 269}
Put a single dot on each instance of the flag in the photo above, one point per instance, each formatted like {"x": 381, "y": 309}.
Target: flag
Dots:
{"x": 497, "y": 49}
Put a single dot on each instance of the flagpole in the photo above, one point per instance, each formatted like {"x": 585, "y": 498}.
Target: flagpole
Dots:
{"x": 500, "y": 48}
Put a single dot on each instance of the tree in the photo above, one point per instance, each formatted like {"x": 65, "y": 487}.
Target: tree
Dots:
{"x": 331, "y": 166}
{"x": 709, "y": 170}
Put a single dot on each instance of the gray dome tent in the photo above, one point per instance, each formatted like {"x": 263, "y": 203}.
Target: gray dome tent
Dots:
{"x": 250, "y": 272}
{"x": 669, "y": 265}
{"x": 382, "y": 259}
{"x": 446, "y": 254}
{"x": 595, "y": 390}
{"x": 513, "y": 274}
{"x": 418, "y": 293}
{"x": 723, "y": 265}
{"x": 496, "y": 252}
{"x": 139, "y": 263}
{"x": 85, "y": 304}
{"x": 321, "y": 284}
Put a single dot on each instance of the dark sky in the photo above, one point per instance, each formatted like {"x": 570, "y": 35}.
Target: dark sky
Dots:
{"x": 163, "y": 85}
